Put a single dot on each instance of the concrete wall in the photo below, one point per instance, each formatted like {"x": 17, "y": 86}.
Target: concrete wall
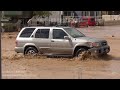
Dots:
{"x": 111, "y": 17}
{"x": 56, "y": 16}
{"x": 110, "y": 23}
{"x": 110, "y": 20}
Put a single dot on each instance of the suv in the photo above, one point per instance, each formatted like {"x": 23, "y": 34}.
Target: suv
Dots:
{"x": 58, "y": 41}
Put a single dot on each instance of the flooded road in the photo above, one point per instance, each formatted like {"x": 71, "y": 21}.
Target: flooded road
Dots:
{"x": 17, "y": 66}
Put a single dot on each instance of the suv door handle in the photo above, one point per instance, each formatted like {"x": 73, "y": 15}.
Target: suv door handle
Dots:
{"x": 52, "y": 41}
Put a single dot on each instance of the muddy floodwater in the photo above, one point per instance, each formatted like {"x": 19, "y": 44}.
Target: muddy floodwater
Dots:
{"x": 16, "y": 66}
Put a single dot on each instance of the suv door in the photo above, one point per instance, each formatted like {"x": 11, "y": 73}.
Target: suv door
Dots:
{"x": 59, "y": 45}
{"x": 42, "y": 40}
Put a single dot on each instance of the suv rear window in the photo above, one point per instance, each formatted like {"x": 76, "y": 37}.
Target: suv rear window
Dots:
{"x": 42, "y": 33}
{"x": 27, "y": 32}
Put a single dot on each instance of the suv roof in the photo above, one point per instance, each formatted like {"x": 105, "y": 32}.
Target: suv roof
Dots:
{"x": 46, "y": 27}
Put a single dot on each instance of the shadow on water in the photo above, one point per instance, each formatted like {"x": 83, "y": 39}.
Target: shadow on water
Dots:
{"x": 103, "y": 57}
{"x": 108, "y": 57}
{"x": 86, "y": 57}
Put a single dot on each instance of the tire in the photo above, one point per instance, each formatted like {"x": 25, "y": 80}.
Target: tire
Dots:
{"x": 31, "y": 51}
{"x": 79, "y": 52}
{"x": 104, "y": 54}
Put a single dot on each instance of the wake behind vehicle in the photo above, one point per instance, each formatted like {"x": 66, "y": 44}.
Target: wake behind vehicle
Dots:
{"x": 58, "y": 41}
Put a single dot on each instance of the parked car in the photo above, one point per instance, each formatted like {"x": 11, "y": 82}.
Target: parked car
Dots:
{"x": 87, "y": 21}
{"x": 58, "y": 41}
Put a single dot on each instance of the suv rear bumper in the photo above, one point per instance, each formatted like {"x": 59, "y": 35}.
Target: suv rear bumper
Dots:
{"x": 19, "y": 49}
{"x": 101, "y": 50}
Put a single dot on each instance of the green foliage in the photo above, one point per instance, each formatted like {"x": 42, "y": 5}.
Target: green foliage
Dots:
{"x": 42, "y": 13}
{"x": 10, "y": 27}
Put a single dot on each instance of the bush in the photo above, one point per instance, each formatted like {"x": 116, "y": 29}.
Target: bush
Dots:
{"x": 10, "y": 27}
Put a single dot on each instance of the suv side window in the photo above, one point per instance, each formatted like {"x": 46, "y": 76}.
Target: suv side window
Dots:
{"x": 42, "y": 33}
{"x": 58, "y": 34}
{"x": 27, "y": 32}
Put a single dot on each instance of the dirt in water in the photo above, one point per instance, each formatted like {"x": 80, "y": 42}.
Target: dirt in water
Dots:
{"x": 17, "y": 66}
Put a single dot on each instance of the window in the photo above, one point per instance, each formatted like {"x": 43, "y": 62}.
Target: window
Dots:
{"x": 91, "y": 13}
{"x": 42, "y": 33}
{"x": 82, "y": 13}
{"x": 27, "y": 32}
{"x": 85, "y": 13}
{"x": 58, "y": 34}
{"x": 74, "y": 32}
{"x": 67, "y": 13}
{"x": 93, "y": 19}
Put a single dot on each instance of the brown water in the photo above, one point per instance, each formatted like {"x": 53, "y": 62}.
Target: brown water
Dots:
{"x": 17, "y": 66}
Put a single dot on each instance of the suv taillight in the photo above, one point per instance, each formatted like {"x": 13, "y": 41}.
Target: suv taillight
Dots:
{"x": 16, "y": 42}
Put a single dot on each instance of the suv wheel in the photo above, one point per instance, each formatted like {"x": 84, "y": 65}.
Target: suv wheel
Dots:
{"x": 31, "y": 51}
{"x": 104, "y": 54}
{"x": 80, "y": 52}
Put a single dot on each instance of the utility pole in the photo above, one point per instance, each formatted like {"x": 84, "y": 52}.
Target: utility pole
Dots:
{"x": 0, "y": 44}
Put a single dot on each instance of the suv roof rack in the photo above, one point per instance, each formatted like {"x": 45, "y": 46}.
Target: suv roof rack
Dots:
{"x": 61, "y": 25}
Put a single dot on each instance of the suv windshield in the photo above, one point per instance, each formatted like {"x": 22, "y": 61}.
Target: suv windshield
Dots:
{"x": 74, "y": 32}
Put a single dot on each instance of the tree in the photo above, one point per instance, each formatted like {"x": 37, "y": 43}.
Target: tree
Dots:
{"x": 42, "y": 13}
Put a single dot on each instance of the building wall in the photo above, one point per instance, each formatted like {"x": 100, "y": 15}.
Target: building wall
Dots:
{"x": 56, "y": 16}
{"x": 110, "y": 17}
{"x": 84, "y": 13}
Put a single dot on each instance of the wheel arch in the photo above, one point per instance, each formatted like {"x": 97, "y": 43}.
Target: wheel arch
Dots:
{"x": 78, "y": 47}
{"x": 26, "y": 46}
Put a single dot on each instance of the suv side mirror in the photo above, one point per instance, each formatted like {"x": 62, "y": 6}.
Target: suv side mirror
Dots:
{"x": 67, "y": 37}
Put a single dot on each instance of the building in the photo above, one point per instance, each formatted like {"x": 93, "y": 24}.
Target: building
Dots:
{"x": 82, "y": 13}
{"x": 105, "y": 15}
{"x": 110, "y": 12}
{"x": 60, "y": 16}
{"x": 57, "y": 16}
{"x": 110, "y": 15}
